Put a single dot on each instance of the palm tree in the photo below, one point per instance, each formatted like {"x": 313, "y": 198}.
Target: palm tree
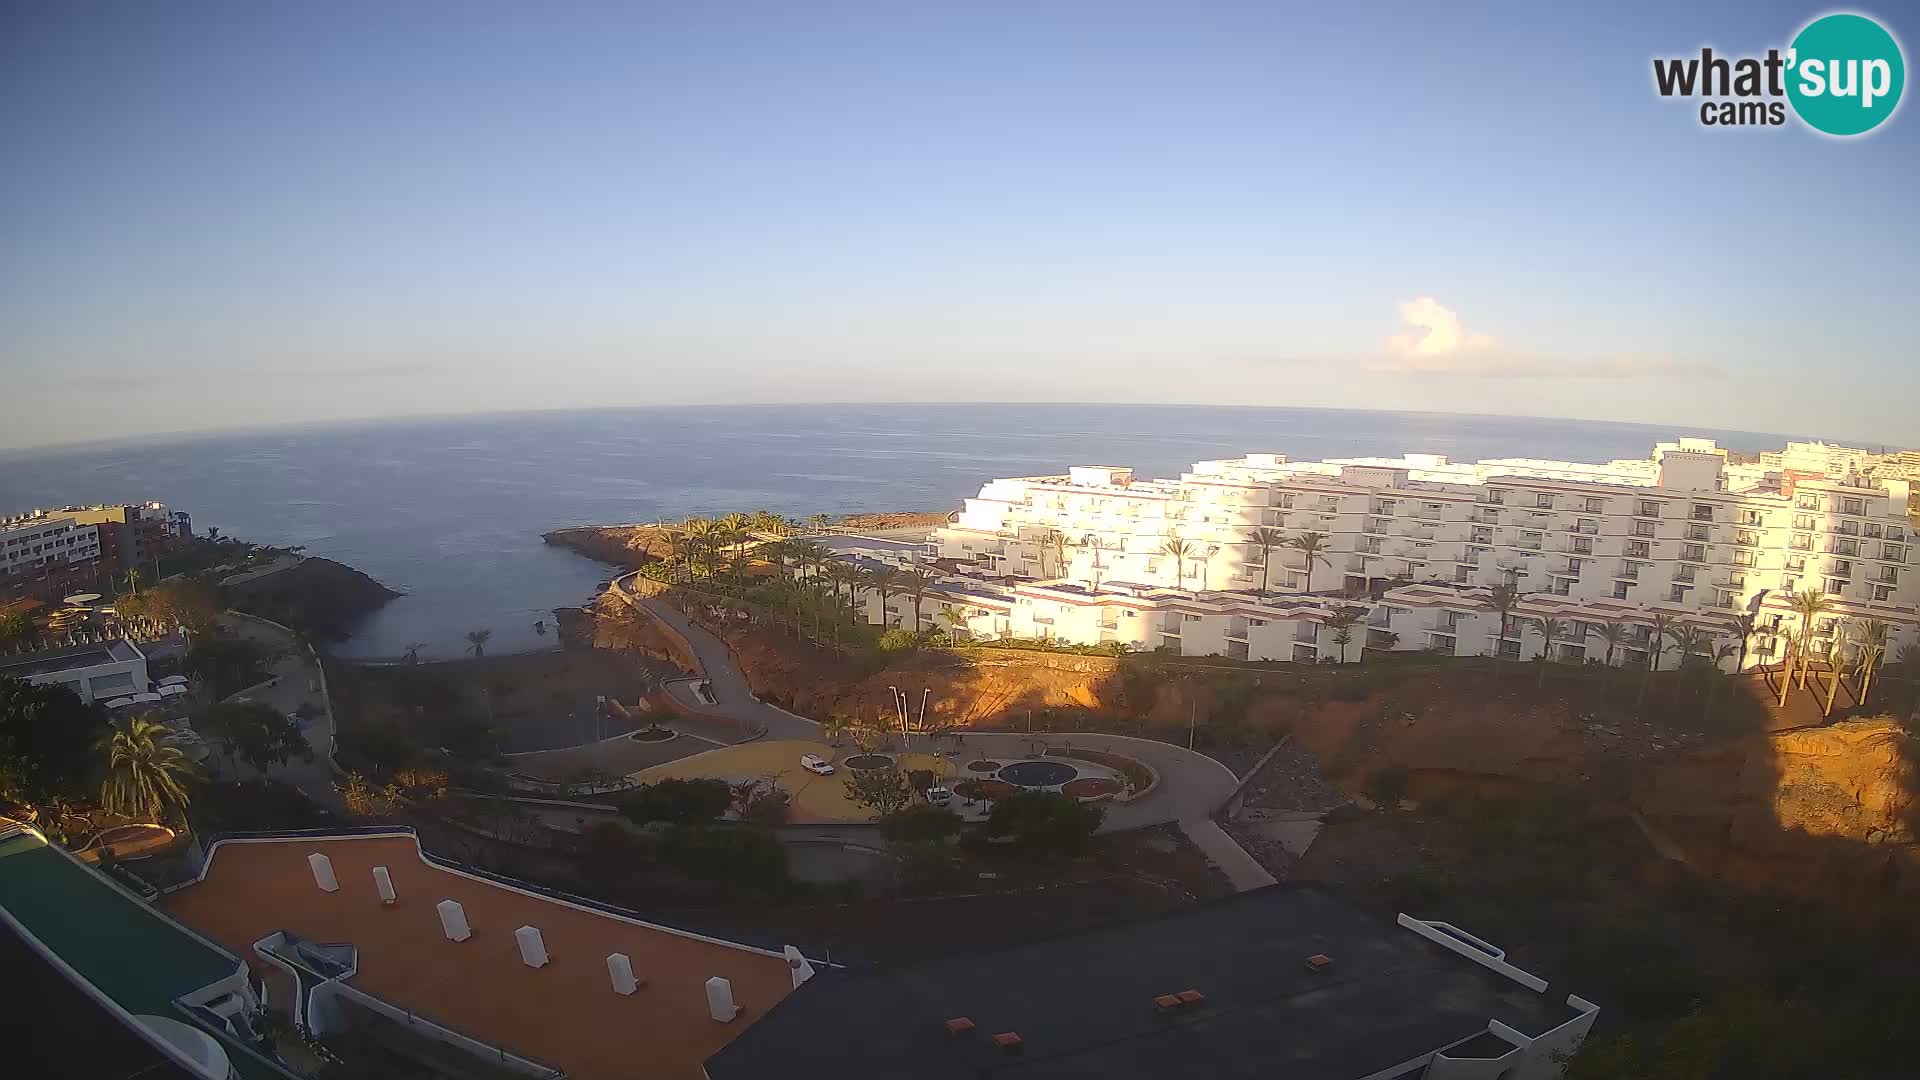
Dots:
{"x": 1806, "y": 603}
{"x": 1343, "y": 621}
{"x": 1656, "y": 645}
{"x": 477, "y": 642}
{"x": 1313, "y": 545}
{"x": 1095, "y": 545}
{"x": 1266, "y": 540}
{"x": 1791, "y": 640}
{"x": 1713, "y": 676}
{"x": 767, "y": 521}
{"x": 213, "y": 534}
{"x": 819, "y": 521}
{"x": 132, "y": 579}
{"x": 735, "y": 530}
{"x": 1548, "y": 628}
{"x": 411, "y": 654}
{"x": 1056, "y": 542}
{"x": 700, "y": 534}
{"x": 1501, "y": 598}
{"x": 1179, "y": 551}
{"x": 840, "y": 573}
{"x": 887, "y": 581}
{"x": 1615, "y": 634}
{"x": 1744, "y": 627}
{"x": 1870, "y": 636}
{"x": 1836, "y": 653}
{"x": 956, "y": 619}
{"x": 915, "y": 583}
{"x": 144, "y": 774}
{"x": 1691, "y": 641}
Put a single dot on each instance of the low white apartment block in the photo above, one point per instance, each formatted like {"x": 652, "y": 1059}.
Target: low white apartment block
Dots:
{"x": 1417, "y": 542}
{"x": 30, "y": 541}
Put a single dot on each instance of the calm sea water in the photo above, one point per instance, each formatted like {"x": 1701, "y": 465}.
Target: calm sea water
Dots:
{"x": 450, "y": 511}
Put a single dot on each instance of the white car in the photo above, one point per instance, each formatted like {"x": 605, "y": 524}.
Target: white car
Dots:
{"x": 816, "y": 764}
{"x": 939, "y": 796}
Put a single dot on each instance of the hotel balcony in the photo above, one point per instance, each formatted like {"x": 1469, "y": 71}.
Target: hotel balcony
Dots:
{"x": 1438, "y": 640}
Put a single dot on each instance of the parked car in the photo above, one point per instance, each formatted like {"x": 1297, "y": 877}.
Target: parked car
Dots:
{"x": 939, "y": 796}
{"x": 816, "y": 764}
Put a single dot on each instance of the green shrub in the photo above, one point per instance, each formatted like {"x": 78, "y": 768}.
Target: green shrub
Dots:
{"x": 898, "y": 639}
{"x": 679, "y": 802}
{"x": 1045, "y": 823}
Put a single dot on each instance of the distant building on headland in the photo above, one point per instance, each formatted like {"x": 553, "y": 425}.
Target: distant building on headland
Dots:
{"x": 1417, "y": 543}
{"x": 49, "y": 553}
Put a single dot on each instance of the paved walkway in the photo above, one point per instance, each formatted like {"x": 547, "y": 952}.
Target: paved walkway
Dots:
{"x": 1220, "y": 849}
{"x": 1192, "y": 785}
{"x": 300, "y": 682}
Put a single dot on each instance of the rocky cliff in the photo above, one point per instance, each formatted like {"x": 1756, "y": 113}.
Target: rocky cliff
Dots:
{"x": 320, "y": 597}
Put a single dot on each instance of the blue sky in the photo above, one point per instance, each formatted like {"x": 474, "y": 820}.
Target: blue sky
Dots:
{"x": 228, "y": 215}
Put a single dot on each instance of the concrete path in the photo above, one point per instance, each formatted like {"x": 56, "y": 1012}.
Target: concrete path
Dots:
{"x": 300, "y": 682}
{"x": 1221, "y": 850}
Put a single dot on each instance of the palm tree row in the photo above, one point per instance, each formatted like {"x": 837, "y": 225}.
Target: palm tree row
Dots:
{"x": 1858, "y": 648}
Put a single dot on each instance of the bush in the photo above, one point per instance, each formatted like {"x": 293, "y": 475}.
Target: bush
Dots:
{"x": 761, "y": 802}
{"x": 883, "y": 791}
{"x": 1045, "y": 823}
{"x": 898, "y": 639}
{"x": 679, "y": 802}
{"x": 920, "y": 779}
{"x": 919, "y": 824}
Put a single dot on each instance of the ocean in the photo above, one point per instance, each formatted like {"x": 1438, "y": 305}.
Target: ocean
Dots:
{"x": 450, "y": 511}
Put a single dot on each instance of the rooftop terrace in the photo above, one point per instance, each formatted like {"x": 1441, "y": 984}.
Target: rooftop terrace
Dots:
{"x": 564, "y": 1013}
{"x": 1084, "y": 1006}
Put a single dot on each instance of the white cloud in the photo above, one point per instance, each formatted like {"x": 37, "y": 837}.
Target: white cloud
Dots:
{"x": 1438, "y": 343}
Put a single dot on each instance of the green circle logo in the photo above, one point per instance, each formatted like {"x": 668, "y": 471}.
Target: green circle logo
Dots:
{"x": 1845, "y": 74}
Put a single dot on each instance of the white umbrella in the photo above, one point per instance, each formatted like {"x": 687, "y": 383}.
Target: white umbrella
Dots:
{"x": 174, "y": 680}
{"x": 173, "y": 691}
{"x": 118, "y": 702}
{"x": 144, "y": 698}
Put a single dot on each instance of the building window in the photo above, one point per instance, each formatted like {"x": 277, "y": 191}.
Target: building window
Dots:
{"x": 1619, "y": 590}
{"x": 1853, "y": 506}
{"x": 1639, "y": 549}
{"x": 1835, "y": 586}
{"x": 1544, "y": 502}
{"x": 1789, "y": 583}
{"x": 1596, "y": 506}
{"x": 1649, "y": 508}
{"x": 1643, "y": 528}
{"x": 1677, "y": 594}
{"x": 1883, "y": 592}
{"x": 1893, "y": 552}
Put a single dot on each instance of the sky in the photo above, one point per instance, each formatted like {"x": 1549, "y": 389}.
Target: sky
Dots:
{"x": 231, "y": 215}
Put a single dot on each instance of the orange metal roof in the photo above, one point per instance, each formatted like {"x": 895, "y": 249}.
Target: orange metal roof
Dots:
{"x": 564, "y": 1014}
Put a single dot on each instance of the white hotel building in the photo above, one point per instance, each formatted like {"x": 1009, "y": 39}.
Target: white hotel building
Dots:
{"x": 1417, "y": 542}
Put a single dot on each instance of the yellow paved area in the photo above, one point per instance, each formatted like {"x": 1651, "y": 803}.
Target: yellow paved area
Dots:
{"x": 815, "y": 798}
